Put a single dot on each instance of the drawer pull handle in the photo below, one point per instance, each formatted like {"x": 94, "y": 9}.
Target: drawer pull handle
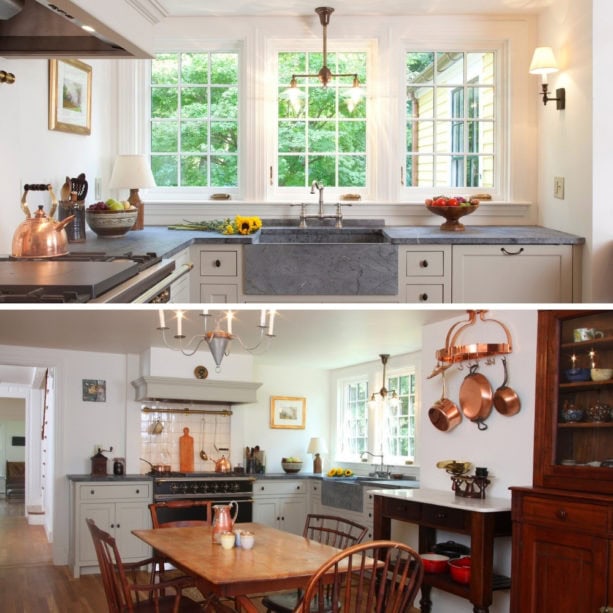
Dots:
{"x": 91, "y": 492}
{"x": 112, "y": 525}
{"x": 262, "y": 488}
{"x": 217, "y": 263}
{"x": 561, "y": 514}
{"x": 423, "y": 297}
{"x": 138, "y": 491}
{"x": 424, "y": 263}
{"x": 440, "y": 515}
{"x": 520, "y": 250}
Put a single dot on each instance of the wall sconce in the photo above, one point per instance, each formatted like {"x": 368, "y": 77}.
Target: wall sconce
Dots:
{"x": 544, "y": 63}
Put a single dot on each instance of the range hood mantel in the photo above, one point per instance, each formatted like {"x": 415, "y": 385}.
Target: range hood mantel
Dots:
{"x": 176, "y": 389}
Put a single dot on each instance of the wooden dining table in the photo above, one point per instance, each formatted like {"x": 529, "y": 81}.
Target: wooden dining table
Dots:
{"x": 278, "y": 560}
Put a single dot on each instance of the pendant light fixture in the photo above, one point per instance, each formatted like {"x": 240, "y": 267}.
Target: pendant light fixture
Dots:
{"x": 381, "y": 397}
{"x": 325, "y": 75}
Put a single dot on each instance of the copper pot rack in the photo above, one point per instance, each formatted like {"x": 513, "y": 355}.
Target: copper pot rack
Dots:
{"x": 453, "y": 353}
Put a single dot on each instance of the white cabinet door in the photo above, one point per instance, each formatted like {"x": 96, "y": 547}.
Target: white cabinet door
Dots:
{"x": 131, "y": 516}
{"x": 103, "y": 515}
{"x": 293, "y": 515}
{"x": 265, "y": 512}
{"x": 512, "y": 273}
{"x": 315, "y": 497}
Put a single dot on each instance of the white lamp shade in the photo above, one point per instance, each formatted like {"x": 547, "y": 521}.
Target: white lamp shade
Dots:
{"x": 132, "y": 172}
{"x": 317, "y": 445}
{"x": 543, "y": 61}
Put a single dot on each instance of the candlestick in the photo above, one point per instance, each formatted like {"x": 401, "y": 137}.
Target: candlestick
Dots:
{"x": 229, "y": 318}
{"x": 271, "y": 323}
{"x": 179, "y": 323}
{"x": 162, "y": 319}
{"x": 263, "y": 318}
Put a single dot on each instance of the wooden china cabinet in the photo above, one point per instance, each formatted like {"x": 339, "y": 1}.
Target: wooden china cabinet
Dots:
{"x": 563, "y": 526}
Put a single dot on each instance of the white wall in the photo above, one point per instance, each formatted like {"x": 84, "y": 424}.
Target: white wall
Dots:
{"x": 31, "y": 153}
{"x": 505, "y": 448}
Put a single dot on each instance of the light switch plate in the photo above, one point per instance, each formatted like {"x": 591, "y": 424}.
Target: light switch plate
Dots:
{"x": 558, "y": 187}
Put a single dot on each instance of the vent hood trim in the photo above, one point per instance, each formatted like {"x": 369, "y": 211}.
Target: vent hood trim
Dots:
{"x": 176, "y": 389}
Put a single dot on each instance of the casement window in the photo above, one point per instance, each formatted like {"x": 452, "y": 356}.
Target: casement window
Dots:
{"x": 194, "y": 120}
{"x": 321, "y": 132}
{"x": 451, "y": 120}
{"x": 399, "y": 420}
{"x": 353, "y": 418}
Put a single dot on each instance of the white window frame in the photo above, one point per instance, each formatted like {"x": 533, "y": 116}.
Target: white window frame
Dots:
{"x": 400, "y": 372}
{"x": 340, "y": 394}
{"x": 302, "y": 194}
{"x": 501, "y": 189}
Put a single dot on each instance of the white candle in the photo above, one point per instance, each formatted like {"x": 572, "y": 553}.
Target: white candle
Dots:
{"x": 230, "y": 315}
{"x": 162, "y": 319}
{"x": 271, "y": 322}
{"x": 263, "y": 318}
{"x": 179, "y": 323}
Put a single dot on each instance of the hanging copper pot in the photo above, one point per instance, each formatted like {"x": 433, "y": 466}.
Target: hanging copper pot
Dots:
{"x": 476, "y": 397}
{"x": 444, "y": 414}
{"x": 506, "y": 399}
{"x": 40, "y": 236}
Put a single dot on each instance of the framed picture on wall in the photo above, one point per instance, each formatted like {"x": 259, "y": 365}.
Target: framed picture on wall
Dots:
{"x": 70, "y": 96}
{"x": 287, "y": 412}
{"x": 94, "y": 390}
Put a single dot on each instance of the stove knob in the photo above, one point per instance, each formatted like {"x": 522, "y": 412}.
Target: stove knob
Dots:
{"x": 226, "y": 487}
{"x": 214, "y": 487}
{"x": 236, "y": 486}
{"x": 173, "y": 487}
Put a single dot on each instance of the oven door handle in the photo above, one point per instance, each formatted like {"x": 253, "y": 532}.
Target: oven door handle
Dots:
{"x": 175, "y": 275}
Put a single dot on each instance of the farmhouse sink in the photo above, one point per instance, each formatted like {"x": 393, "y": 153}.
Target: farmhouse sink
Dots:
{"x": 321, "y": 235}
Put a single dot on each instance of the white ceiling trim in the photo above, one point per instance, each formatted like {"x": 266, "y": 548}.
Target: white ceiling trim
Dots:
{"x": 152, "y": 10}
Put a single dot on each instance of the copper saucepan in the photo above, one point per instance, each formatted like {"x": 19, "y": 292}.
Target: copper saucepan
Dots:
{"x": 476, "y": 397}
{"x": 444, "y": 414}
{"x": 506, "y": 399}
{"x": 158, "y": 469}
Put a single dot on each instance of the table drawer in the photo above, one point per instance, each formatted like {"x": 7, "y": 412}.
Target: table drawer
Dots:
{"x": 132, "y": 491}
{"x": 566, "y": 514}
{"x": 279, "y": 488}
{"x": 425, "y": 263}
{"x": 445, "y": 517}
{"x": 424, "y": 293}
{"x": 218, "y": 263}
{"x": 401, "y": 509}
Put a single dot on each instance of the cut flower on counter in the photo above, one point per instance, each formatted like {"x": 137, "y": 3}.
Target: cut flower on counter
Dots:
{"x": 239, "y": 225}
{"x": 339, "y": 472}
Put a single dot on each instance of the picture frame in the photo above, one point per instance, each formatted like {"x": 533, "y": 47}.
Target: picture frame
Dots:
{"x": 70, "y": 96}
{"x": 287, "y": 412}
{"x": 94, "y": 390}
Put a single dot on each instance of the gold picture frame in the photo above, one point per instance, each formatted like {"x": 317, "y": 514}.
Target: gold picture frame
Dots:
{"x": 287, "y": 412}
{"x": 70, "y": 96}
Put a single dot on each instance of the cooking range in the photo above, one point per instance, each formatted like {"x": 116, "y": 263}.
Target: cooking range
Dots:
{"x": 221, "y": 488}
{"x": 88, "y": 277}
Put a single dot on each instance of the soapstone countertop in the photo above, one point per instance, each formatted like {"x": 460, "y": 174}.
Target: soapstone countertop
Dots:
{"x": 109, "y": 478}
{"x": 166, "y": 243}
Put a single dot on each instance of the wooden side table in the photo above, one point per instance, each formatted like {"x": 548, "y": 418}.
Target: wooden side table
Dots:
{"x": 482, "y": 520}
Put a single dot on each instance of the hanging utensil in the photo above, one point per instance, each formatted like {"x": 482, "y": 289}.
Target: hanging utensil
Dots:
{"x": 444, "y": 414}
{"x": 476, "y": 397}
{"x": 79, "y": 185}
{"x": 157, "y": 427}
{"x": 203, "y": 454}
{"x": 506, "y": 399}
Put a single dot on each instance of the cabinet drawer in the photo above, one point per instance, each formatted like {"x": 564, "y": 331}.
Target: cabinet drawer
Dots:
{"x": 278, "y": 488}
{"x": 425, "y": 263}
{"x": 132, "y": 491}
{"x": 401, "y": 509}
{"x": 218, "y": 263}
{"x": 445, "y": 517}
{"x": 218, "y": 293}
{"x": 565, "y": 514}
{"x": 424, "y": 293}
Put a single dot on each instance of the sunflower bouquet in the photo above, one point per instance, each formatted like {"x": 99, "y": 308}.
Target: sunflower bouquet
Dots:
{"x": 340, "y": 472}
{"x": 239, "y": 225}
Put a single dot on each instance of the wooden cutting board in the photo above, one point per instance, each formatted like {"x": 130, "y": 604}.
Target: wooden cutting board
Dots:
{"x": 186, "y": 452}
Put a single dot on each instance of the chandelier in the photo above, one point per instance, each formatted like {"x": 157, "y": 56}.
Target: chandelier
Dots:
{"x": 325, "y": 75}
{"x": 218, "y": 339}
{"x": 381, "y": 397}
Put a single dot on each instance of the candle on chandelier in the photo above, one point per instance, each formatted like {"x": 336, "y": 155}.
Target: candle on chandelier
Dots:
{"x": 179, "y": 323}
{"x": 263, "y": 318}
{"x": 229, "y": 317}
{"x": 271, "y": 322}
{"x": 162, "y": 319}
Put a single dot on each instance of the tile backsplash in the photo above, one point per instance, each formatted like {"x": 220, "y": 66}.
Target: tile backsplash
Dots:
{"x": 209, "y": 432}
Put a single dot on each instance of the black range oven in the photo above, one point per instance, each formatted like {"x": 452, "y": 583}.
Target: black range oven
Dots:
{"x": 220, "y": 488}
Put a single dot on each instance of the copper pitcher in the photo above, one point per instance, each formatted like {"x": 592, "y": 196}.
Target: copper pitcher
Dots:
{"x": 40, "y": 236}
{"x": 223, "y": 519}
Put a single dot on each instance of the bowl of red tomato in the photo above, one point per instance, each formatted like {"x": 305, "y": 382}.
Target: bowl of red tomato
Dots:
{"x": 452, "y": 209}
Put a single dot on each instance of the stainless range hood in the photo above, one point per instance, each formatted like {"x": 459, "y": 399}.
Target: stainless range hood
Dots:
{"x": 31, "y": 28}
{"x": 176, "y": 389}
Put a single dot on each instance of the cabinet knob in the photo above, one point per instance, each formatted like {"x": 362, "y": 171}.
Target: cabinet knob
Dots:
{"x": 423, "y": 297}
{"x": 262, "y": 488}
{"x": 138, "y": 491}
{"x": 217, "y": 263}
{"x": 424, "y": 263}
{"x": 91, "y": 492}
{"x": 297, "y": 487}
{"x": 561, "y": 514}
{"x": 112, "y": 525}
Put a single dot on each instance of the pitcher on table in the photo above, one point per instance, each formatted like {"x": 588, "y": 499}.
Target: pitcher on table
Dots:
{"x": 223, "y": 519}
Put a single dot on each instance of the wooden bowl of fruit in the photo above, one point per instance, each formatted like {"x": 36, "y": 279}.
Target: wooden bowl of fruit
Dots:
{"x": 452, "y": 209}
{"x": 111, "y": 218}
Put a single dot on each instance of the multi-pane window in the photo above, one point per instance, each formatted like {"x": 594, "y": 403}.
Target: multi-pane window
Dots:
{"x": 321, "y": 132}
{"x": 353, "y": 422}
{"x": 399, "y": 421}
{"x": 194, "y": 119}
{"x": 450, "y": 119}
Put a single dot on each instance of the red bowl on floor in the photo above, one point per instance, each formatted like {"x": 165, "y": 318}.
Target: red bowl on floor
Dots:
{"x": 434, "y": 562}
{"x": 460, "y": 569}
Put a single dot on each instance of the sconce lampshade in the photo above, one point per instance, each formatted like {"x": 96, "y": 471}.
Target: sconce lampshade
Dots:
{"x": 316, "y": 446}
{"x": 543, "y": 61}
{"x": 133, "y": 172}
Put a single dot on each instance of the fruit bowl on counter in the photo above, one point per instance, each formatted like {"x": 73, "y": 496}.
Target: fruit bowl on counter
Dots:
{"x": 291, "y": 465}
{"x": 110, "y": 220}
{"x": 452, "y": 209}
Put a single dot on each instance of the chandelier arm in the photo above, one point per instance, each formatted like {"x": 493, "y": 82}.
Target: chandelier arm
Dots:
{"x": 263, "y": 337}
{"x": 181, "y": 347}
{"x": 332, "y": 74}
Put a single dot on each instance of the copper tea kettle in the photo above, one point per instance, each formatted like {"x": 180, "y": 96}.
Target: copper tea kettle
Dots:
{"x": 223, "y": 465}
{"x": 40, "y": 236}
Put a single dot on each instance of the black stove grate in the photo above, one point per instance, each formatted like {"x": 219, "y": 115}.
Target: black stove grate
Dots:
{"x": 41, "y": 295}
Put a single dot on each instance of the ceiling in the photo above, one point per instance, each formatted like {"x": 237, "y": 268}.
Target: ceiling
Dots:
{"x": 311, "y": 338}
{"x": 211, "y": 8}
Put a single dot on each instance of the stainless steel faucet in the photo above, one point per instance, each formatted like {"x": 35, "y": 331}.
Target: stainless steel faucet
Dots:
{"x": 378, "y": 473}
{"x": 320, "y": 187}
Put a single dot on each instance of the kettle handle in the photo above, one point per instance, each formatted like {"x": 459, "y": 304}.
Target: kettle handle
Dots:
{"x": 234, "y": 504}
{"x": 40, "y": 187}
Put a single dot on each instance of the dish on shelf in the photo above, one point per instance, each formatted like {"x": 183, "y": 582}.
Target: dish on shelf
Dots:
{"x": 460, "y": 569}
{"x": 577, "y": 374}
{"x": 571, "y": 413}
{"x": 435, "y": 563}
{"x": 601, "y": 374}
{"x": 600, "y": 411}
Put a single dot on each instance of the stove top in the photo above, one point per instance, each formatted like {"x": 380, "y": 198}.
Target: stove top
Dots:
{"x": 201, "y": 475}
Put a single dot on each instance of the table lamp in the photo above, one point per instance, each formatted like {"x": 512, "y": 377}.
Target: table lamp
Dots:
{"x": 133, "y": 172}
{"x": 317, "y": 446}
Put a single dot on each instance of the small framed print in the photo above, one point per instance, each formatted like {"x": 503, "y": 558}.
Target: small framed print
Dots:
{"x": 70, "y": 96}
{"x": 94, "y": 390}
{"x": 287, "y": 412}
